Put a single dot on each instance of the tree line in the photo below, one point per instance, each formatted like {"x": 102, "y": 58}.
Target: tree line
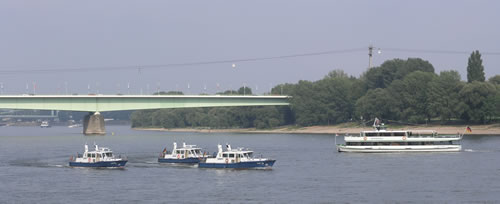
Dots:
{"x": 406, "y": 91}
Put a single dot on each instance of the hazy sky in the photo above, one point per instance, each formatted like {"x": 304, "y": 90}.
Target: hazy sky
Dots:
{"x": 103, "y": 34}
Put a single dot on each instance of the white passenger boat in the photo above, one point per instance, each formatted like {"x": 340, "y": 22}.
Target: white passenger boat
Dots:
{"x": 239, "y": 158}
{"x": 382, "y": 140}
{"x": 187, "y": 154}
{"x": 100, "y": 157}
{"x": 45, "y": 124}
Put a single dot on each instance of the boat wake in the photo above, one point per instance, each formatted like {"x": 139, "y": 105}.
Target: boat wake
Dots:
{"x": 473, "y": 150}
{"x": 35, "y": 163}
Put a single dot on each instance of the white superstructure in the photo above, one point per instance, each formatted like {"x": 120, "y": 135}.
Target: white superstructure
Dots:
{"x": 185, "y": 154}
{"x": 45, "y": 124}
{"x": 382, "y": 140}
{"x": 236, "y": 158}
{"x": 100, "y": 157}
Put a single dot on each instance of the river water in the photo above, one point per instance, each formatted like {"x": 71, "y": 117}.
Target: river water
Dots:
{"x": 34, "y": 169}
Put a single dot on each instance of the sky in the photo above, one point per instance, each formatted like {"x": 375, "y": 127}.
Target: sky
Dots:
{"x": 121, "y": 46}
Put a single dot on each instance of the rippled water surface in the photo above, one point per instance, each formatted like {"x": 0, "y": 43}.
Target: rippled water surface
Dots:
{"x": 34, "y": 169}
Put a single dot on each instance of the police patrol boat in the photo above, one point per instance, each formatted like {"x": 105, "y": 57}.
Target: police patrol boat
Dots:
{"x": 187, "y": 154}
{"x": 383, "y": 140}
{"x": 235, "y": 158}
{"x": 100, "y": 157}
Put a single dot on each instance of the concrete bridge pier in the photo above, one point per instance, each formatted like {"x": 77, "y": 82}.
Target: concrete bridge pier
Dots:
{"x": 93, "y": 124}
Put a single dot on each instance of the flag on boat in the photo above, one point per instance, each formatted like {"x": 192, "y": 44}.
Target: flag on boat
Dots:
{"x": 468, "y": 129}
{"x": 376, "y": 122}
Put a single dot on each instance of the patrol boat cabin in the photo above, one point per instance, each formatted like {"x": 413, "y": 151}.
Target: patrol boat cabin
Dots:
{"x": 187, "y": 154}
{"x": 239, "y": 158}
{"x": 100, "y": 157}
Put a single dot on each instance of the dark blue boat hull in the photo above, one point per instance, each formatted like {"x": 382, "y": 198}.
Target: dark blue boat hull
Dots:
{"x": 103, "y": 164}
{"x": 180, "y": 161}
{"x": 240, "y": 165}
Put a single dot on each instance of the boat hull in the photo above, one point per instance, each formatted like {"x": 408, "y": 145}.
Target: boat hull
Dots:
{"x": 102, "y": 164}
{"x": 409, "y": 148}
{"x": 239, "y": 165}
{"x": 180, "y": 161}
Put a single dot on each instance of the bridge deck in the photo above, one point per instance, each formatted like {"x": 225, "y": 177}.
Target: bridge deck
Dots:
{"x": 101, "y": 103}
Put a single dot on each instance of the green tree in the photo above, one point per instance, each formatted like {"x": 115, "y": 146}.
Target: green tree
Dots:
{"x": 283, "y": 89}
{"x": 338, "y": 73}
{"x": 305, "y": 106}
{"x": 475, "y": 69}
{"x": 413, "y": 96}
{"x": 390, "y": 70}
{"x": 377, "y": 103}
{"x": 169, "y": 93}
{"x": 495, "y": 79}
{"x": 267, "y": 117}
{"x": 334, "y": 96}
{"x": 166, "y": 118}
{"x": 221, "y": 118}
{"x": 444, "y": 97}
{"x": 479, "y": 99}
{"x": 496, "y": 102}
{"x": 142, "y": 118}
{"x": 245, "y": 91}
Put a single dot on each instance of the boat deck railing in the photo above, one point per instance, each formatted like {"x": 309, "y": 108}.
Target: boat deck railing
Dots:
{"x": 434, "y": 136}
{"x": 414, "y": 136}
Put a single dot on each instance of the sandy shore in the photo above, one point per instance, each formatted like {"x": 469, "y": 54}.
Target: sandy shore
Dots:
{"x": 493, "y": 129}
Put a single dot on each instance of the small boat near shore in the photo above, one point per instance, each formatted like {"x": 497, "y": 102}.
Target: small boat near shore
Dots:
{"x": 74, "y": 126}
{"x": 45, "y": 124}
{"x": 101, "y": 157}
{"x": 386, "y": 141}
{"x": 187, "y": 154}
{"x": 239, "y": 158}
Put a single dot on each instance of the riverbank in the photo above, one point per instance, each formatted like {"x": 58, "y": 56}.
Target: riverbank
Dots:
{"x": 348, "y": 128}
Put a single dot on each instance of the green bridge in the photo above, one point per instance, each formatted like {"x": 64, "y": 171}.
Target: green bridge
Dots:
{"x": 94, "y": 104}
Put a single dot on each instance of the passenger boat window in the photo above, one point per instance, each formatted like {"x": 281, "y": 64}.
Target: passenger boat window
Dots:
{"x": 182, "y": 151}
{"x": 93, "y": 155}
{"x": 231, "y": 155}
{"x": 224, "y": 155}
{"x": 177, "y": 151}
{"x": 399, "y": 134}
{"x": 250, "y": 154}
{"x": 89, "y": 155}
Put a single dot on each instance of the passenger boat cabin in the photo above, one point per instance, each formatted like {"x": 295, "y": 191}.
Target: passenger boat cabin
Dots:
{"x": 428, "y": 133}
